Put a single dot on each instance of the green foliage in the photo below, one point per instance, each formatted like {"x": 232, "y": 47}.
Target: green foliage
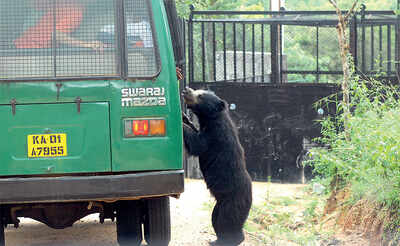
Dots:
{"x": 344, "y": 4}
{"x": 183, "y": 5}
{"x": 369, "y": 162}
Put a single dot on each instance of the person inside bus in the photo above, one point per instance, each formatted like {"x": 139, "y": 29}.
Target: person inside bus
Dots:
{"x": 62, "y": 16}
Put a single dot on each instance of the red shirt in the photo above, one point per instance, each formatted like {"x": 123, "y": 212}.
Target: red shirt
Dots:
{"x": 68, "y": 17}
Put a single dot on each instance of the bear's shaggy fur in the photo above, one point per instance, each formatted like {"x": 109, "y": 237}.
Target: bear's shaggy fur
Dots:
{"x": 222, "y": 163}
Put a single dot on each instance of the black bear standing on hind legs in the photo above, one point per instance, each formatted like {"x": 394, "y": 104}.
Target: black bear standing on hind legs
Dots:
{"x": 222, "y": 163}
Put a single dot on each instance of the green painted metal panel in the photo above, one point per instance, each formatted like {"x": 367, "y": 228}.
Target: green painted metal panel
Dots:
{"x": 146, "y": 153}
{"x": 98, "y": 128}
{"x": 48, "y": 92}
{"x": 164, "y": 153}
{"x": 87, "y": 131}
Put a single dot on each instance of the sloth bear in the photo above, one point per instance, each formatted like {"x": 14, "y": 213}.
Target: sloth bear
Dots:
{"x": 222, "y": 163}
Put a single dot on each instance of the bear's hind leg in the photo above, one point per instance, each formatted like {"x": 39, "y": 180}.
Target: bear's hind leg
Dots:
{"x": 227, "y": 223}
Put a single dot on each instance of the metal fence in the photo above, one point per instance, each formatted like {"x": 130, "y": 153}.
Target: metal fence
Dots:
{"x": 288, "y": 46}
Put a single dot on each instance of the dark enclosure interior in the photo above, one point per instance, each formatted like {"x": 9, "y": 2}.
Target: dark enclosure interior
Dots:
{"x": 276, "y": 125}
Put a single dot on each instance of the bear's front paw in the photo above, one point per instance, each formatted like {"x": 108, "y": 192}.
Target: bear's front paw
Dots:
{"x": 186, "y": 119}
{"x": 219, "y": 243}
{"x": 188, "y": 122}
{"x": 213, "y": 243}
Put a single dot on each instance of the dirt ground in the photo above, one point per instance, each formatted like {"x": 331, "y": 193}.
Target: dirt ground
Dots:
{"x": 190, "y": 218}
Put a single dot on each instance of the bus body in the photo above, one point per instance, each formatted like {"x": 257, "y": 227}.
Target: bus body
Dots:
{"x": 90, "y": 115}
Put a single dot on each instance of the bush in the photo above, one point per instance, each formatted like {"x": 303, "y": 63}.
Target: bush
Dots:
{"x": 369, "y": 160}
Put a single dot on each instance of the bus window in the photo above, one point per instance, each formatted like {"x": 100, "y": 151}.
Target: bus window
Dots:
{"x": 56, "y": 38}
{"x": 141, "y": 50}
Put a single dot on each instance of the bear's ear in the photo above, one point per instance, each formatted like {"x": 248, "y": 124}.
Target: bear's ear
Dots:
{"x": 221, "y": 105}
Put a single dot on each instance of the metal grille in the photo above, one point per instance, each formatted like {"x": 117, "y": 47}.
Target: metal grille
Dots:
{"x": 231, "y": 51}
{"x": 376, "y": 48}
{"x": 59, "y": 38}
{"x": 303, "y": 45}
{"x": 141, "y": 51}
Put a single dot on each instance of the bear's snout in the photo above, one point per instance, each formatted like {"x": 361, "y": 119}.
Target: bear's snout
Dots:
{"x": 187, "y": 91}
{"x": 188, "y": 96}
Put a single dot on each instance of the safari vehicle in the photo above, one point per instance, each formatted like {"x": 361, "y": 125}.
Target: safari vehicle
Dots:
{"x": 90, "y": 115}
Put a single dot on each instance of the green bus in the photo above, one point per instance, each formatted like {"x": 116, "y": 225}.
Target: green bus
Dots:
{"x": 90, "y": 115}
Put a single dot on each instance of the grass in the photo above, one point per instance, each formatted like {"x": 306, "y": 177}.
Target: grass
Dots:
{"x": 283, "y": 220}
{"x": 290, "y": 219}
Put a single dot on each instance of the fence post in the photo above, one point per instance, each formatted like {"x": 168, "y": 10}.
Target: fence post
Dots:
{"x": 397, "y": 52}
{"x": 354, "y": 39}
{"x": 184, "y": 66}
{"x": 275, "y": 61}
{"x": 363, "y": 62}
{"x": 190, "y": 27}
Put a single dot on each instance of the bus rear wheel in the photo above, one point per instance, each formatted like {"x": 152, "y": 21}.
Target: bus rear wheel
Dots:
{"x": 129, "y": 223}
{"x": 157, "y": 221}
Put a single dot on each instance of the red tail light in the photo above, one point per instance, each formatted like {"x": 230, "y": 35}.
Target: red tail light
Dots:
{"x": 140, "y": 127}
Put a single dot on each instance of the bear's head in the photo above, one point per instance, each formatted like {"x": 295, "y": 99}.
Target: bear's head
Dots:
{"x": 203, "y": 103}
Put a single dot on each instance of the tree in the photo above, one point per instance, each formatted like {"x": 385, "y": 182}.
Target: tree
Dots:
{"x": 345, "y": 57}
{"x": 345, "y": 4}
{"x": 183, "y": 5}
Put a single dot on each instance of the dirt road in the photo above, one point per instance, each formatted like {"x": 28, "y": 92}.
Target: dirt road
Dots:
{"x": 190, "y": 218}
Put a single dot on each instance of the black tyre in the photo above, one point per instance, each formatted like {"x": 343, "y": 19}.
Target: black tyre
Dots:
{"x": 2, "y": 240}
{"x": 157, "y": 223}
{"x": 129, "y": 223}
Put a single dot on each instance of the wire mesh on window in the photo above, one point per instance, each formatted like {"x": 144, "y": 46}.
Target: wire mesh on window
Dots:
{"x": 140, "y": 45}
{"x": 58, "y": 38}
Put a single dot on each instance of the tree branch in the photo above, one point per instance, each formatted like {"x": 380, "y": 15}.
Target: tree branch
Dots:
{"x": 334, "y": 4}
{"x": 351, "y": 11}
{"x": 338, "y": 11}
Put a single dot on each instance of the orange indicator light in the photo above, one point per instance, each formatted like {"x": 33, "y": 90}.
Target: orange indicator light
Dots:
{"x": 157, "y": 127}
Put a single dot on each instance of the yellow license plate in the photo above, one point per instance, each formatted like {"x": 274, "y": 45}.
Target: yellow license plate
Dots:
{"x": 47, "y": 145}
